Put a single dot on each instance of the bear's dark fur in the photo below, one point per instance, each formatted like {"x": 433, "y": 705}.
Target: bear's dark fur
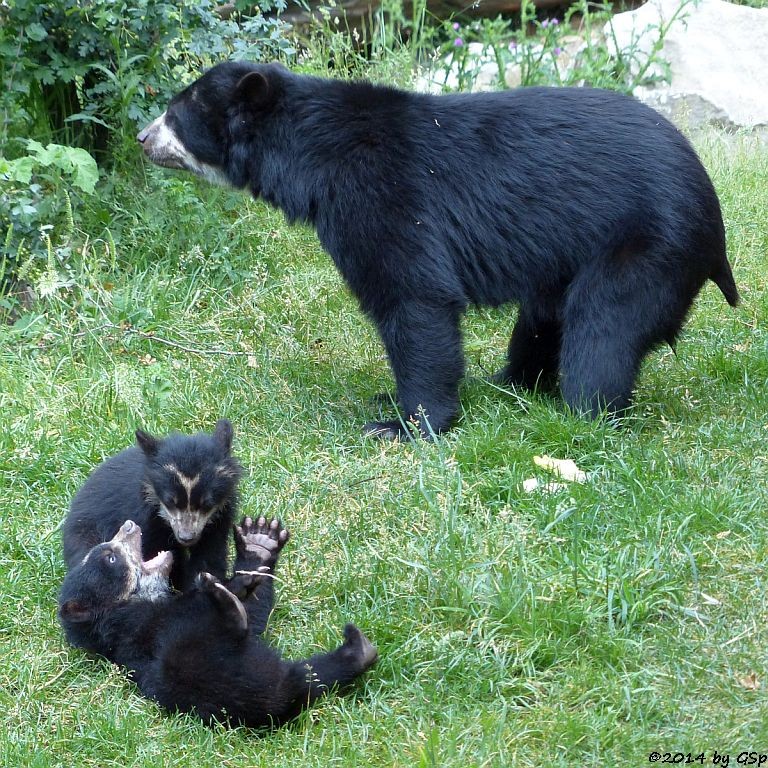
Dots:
{"x": 585, "y": 207}
{"x": 181, "y": 490}
{"x": 200, "y": 651}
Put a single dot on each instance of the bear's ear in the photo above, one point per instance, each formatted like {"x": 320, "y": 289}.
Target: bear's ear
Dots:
{"x": 75, "y": 611}
{"x": 146, "y": 442}
{"x": 223, "y": 434}
{"x": 256, "y": 90}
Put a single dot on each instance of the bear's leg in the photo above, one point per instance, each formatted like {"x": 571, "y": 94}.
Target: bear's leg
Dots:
{"x": 533, "y": 355}
{"x": 258, "y": 544}
{"x": 597, "y": 374}
{"x": 613, "y": 317}
{"x": 311, "y": 678}
{"x": 423, "y": 343}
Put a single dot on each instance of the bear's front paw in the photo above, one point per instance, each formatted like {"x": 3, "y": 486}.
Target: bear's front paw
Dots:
{"x": 260, "y": 541}
{"x": 394, "y": 430}
{"x": 232, "y": 614}
{"x": 207, "y": 582}
{"x": 244, "y": 582}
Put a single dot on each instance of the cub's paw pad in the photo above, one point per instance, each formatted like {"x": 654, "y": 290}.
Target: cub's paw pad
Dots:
{"x": 261, "y": 539}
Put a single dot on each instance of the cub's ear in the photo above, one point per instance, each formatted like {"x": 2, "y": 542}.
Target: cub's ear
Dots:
{"x": 257, "y": 90}
{"x": 223, "y": 434}
{"x": 75, "y": 611}
{"x": 146, "y": 442}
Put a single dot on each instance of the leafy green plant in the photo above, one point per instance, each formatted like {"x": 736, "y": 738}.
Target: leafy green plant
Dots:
{"x": 36, "y": 194}
{"x": 374, "y": 47}
{"x": 70, "y": 161}
{"x": 80, "y": 71}
{"x": 532, "y": 50}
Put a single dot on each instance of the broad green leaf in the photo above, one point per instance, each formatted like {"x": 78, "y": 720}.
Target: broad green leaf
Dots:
{"x": 21, "y": 169}
{"x": 36, "y": 31}
{"x": 86, "y": 172}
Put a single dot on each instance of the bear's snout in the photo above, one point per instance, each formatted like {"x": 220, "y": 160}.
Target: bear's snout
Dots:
{"x": 151, "y": 135}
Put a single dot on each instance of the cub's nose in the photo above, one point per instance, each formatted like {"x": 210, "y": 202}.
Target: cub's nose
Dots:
{"x": 141, "y": 136}
{"x": 129, "y": 526}
{"x": 186, "y": 539}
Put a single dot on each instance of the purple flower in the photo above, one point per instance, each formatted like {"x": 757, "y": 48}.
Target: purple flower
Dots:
{"x": 557, "y": 51}
{"x": 554, "y": 22}
{"x": 456, "y": 25}
{"x": 545, "y": 23}
{"x": 512, "y": 47}
{"x": 458, "y": 42}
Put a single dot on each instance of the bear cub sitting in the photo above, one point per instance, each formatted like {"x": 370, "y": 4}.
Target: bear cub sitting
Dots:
{"x": 200, "y": 651}
{"x": 181, "y": 490}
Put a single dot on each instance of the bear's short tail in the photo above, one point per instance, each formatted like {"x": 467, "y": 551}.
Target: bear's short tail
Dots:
{"x": 722, "y": 277}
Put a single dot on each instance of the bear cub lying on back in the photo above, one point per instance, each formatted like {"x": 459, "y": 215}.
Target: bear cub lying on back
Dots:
{"x": 200, "y": 651}
{"x": 181, "y": 490}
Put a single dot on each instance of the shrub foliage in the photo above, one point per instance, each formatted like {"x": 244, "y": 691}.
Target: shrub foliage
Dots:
{"x": 81, "y": 71}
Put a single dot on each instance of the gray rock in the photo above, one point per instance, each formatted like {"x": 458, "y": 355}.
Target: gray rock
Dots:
{"x": 717, "y": 54}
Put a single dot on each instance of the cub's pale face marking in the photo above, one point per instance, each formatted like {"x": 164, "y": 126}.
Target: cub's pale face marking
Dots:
{"x": 226, "y": 471}
{"x": 163, "y": 147}
{"x": 187, "y": 483}
{"x": 186, "y": 522}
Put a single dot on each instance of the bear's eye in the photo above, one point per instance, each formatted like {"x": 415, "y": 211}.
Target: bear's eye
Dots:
{"x": 111, "y": 559}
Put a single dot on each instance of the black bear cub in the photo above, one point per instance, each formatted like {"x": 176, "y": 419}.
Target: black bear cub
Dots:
{"x": 587, "y": 209}
{"x": 181, "y": 490}
{"x": 200, "y": 651}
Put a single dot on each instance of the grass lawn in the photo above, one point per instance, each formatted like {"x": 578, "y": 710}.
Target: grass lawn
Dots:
{"x": 589, "y": 626}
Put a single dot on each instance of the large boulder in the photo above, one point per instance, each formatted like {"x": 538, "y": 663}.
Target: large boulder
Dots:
{"x": 717, "y": 54}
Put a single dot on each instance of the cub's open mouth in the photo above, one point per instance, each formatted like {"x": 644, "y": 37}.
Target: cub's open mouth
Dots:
{"x": 160, "y": 564}
{"x": 129, "y": 538}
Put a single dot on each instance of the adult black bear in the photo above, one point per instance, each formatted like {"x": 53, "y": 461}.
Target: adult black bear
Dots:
{"x": 585, "y": 207}
{"x": 182, "y": 491}
{"x": 200, "y": 651}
